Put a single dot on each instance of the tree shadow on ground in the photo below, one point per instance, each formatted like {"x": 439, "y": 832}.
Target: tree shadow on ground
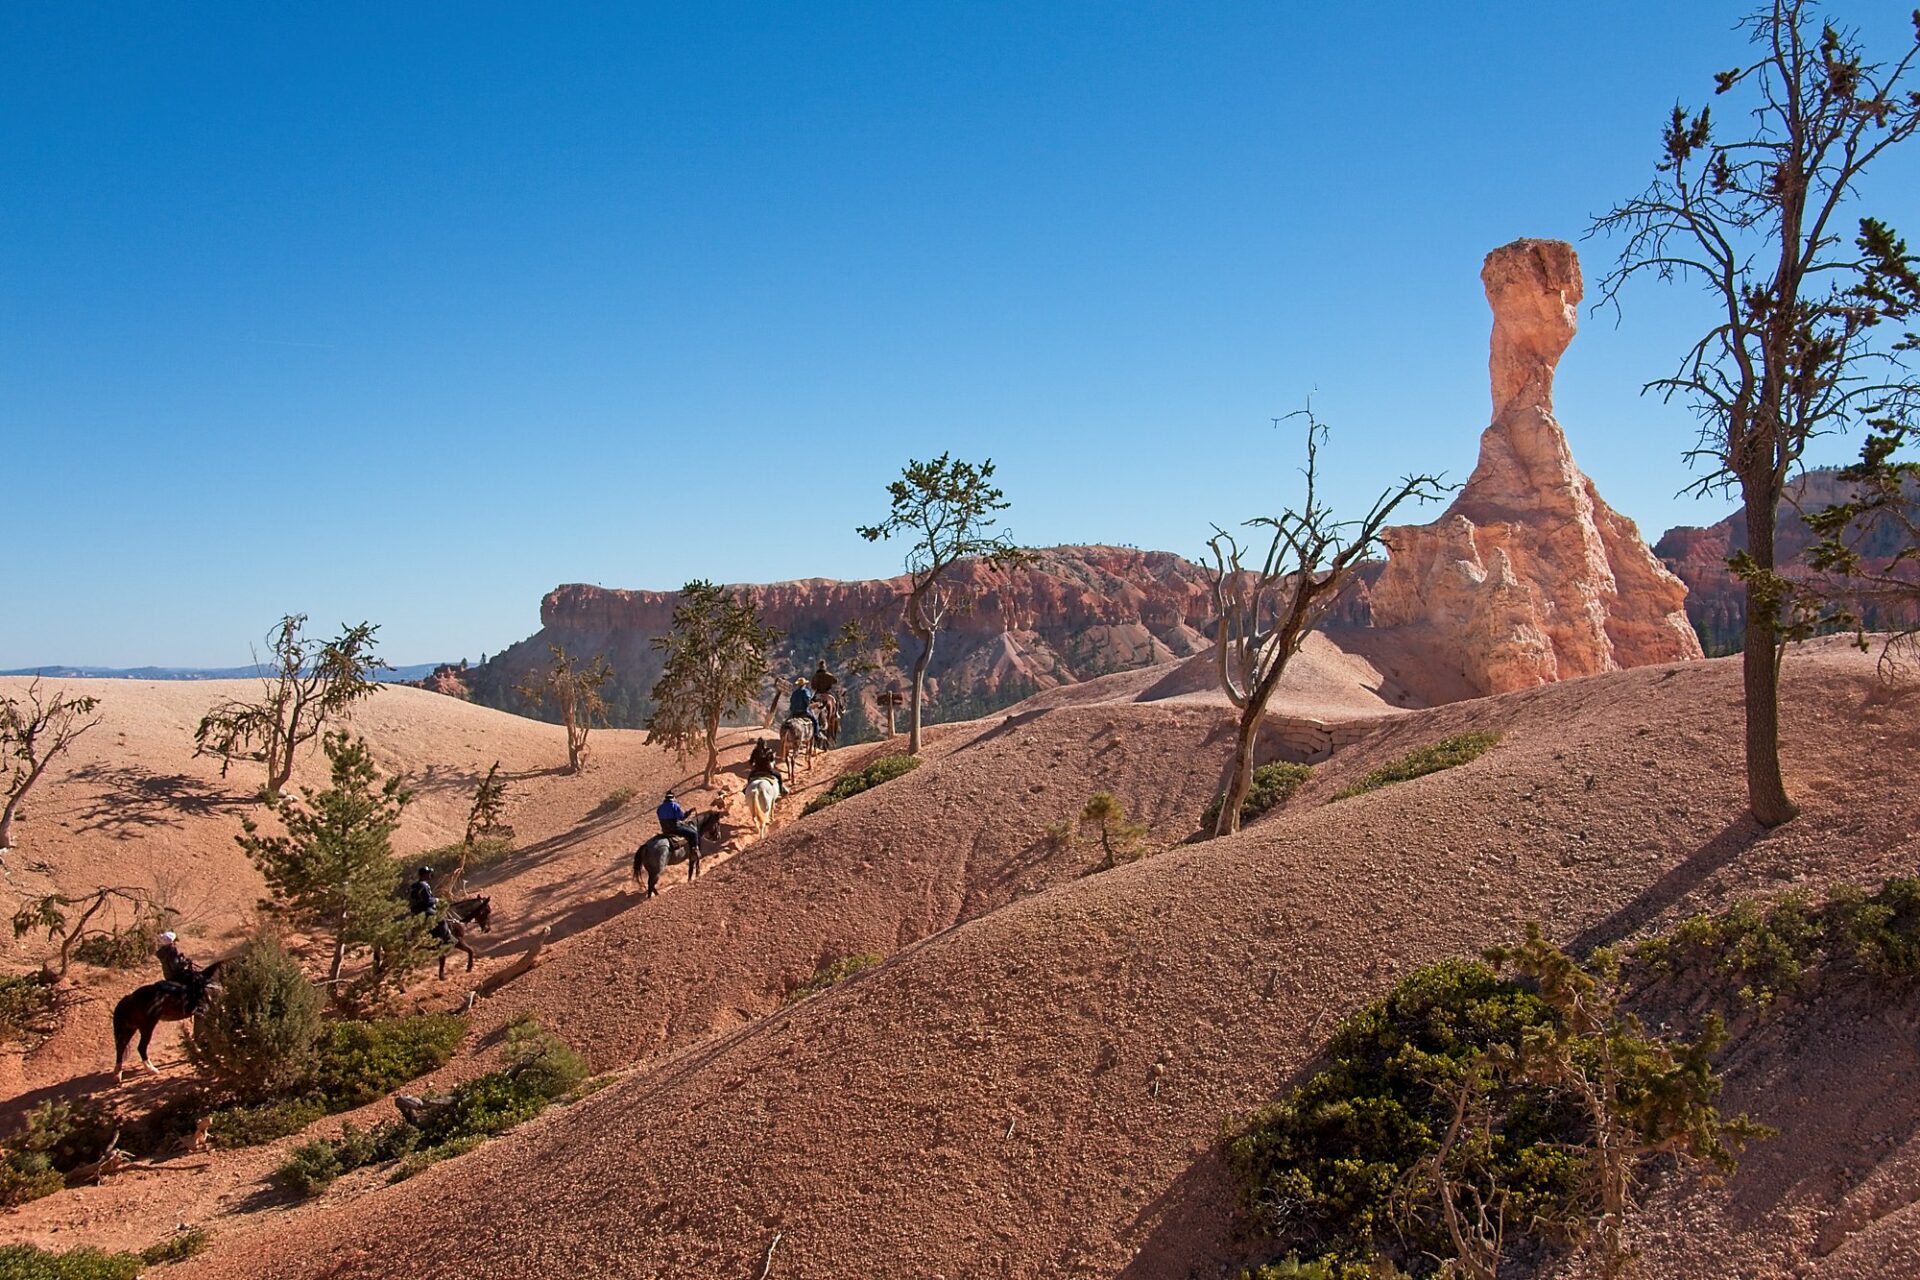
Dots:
{"x": 1678, "y": 883}
{"x": 132, "y": 799}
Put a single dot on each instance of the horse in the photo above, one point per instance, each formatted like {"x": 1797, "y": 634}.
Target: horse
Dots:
{"x": 656, "y": 854}
{"x": 144, "y": 1008}
{"x": 795, "y": 734}
{"x": 762, "y": 790}
{"x": 830, "y": 719}
{"x": 459, "y": 917}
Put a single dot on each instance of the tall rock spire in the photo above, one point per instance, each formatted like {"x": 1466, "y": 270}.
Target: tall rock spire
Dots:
{"x": 1530, "y": 577}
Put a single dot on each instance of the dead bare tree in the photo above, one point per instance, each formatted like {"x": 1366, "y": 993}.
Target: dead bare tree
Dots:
{"x": 34, "y": 729}
{"x": 306, "y": 684}
{"x": 48, "y": 914}
{"x": 1268, "y": 607}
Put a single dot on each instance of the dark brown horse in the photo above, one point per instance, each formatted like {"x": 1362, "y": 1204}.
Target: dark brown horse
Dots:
{"x": 656, "y": 854}
{"x": 460, "y": 919}
{"x": 144, "y": 1008}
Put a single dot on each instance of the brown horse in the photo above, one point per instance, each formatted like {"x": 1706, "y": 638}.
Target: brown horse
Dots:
{"x": 461, "y": 917}
{"x": 144, "y": 1008}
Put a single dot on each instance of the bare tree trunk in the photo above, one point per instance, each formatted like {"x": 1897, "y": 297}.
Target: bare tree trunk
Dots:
{"x": 920, "y": 665}
{"x": 1240, "y": 774}
{"x": 6, "y": 820}
{"x": 339, "y": 959}
{"x": 713, "y": 746}
{"x": 1760, "y": 678}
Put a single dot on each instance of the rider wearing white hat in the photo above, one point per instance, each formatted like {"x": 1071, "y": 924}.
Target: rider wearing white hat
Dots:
{"x": 174, "y": 966}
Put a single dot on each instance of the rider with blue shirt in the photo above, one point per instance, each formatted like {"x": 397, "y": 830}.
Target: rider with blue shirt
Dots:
{"x": 674, "y": 822}
{"x": 800, "y": 707}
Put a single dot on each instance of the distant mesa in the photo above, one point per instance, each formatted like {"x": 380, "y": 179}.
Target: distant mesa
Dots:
{"x": 1530, "y": 577}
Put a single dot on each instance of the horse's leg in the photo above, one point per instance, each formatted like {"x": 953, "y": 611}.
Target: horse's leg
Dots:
{"x": 653, "y": 881}
{"x": 443, "y": 965}
{"x": 146, "y": 1038}
{"x": 470, "y": 955}
{"x": 122, "y": 1037}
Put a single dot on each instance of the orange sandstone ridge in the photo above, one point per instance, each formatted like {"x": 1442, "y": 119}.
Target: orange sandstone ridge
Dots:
{"x": 1530, "y": 577}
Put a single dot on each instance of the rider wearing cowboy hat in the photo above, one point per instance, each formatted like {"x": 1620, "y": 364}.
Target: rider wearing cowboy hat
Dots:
{"x": 800, "y": 707}
{"x": 674, "y": 822}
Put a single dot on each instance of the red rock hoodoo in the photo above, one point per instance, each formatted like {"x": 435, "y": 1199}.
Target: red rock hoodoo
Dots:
{"x": 1530, "y": 577}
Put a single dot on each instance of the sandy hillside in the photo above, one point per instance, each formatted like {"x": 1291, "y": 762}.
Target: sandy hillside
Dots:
{"x": 985, "y": 1103}
{"x": 131, "y": 805}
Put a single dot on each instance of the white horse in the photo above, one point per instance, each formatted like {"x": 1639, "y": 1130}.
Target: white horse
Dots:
{"x": 761, "y": 793}
{"x": 796, "y": 737}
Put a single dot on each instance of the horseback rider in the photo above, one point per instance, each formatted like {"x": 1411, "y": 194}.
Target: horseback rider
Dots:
{"x": 763, "y": 762}
{"x": 824, "y": 680}
{"x": 675, "y": 822}
{"x": 174, "y": 965}
{"x": 421, "y": 899}
{"x": 800, "y": 707}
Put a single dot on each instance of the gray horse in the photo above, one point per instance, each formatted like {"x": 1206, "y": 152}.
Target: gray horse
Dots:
{"x": 663, "y": 850}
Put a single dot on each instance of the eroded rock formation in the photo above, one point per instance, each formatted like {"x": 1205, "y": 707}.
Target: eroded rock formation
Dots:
{"x": 1530, "y": 577}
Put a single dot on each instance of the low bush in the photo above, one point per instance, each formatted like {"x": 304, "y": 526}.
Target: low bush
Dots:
{"x": 250, "y": 1126}
{"x": 1517, "y": 1086}
{"x": 257, "y": 1040}
{"x": 53, "y": 1138}
{"x": 1447, "y": 753}
{"x": 1273, "y": 785}
{"x": 420, "y": 1161}
{"x": 186, "y": 1243}
{"x": 885, "y": 769}
{"x": 25, "y": 1262}
{"x": 1760, "y": 951}
{"x": 314, "y": 1166}
{"x": 27, "y": 1006}
{"x": 357, "y": 1062}
{"x": 831, "y": 973}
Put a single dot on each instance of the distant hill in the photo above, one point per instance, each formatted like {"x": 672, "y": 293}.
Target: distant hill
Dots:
{"x": 410, "y": 674}
{"x": 1716, "y": 600}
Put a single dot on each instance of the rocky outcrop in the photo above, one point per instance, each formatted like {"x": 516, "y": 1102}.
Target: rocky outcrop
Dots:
{"x": 1075, "y": 613}
{"x": 1716, "y": 600}
{"x": 1529, "y": 576}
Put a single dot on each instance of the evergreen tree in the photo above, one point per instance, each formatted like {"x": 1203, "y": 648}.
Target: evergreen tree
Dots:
{"x": 332, "y": 873}
{"x": 716, "y": 664}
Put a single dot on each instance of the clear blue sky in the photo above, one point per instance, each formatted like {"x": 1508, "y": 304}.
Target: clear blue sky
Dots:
{"x": 411, "y": 312}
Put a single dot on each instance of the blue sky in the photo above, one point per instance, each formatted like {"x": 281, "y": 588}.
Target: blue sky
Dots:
{"x": 410, "y": 313}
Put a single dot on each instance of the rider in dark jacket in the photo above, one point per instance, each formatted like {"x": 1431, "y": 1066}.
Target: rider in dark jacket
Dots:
{"x": 762, "y": 763}
{"x": 674, "y": 822}
{"x": 174, "y": 965}
{"x": 421, "y": 899}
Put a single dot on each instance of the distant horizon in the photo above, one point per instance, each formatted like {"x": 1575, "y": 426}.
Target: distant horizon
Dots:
{"x": 364, "y": 313}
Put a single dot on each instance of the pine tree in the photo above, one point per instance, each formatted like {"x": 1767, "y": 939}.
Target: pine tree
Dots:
{"x": 332, "y": 873}
{"x": 716, "y": 662}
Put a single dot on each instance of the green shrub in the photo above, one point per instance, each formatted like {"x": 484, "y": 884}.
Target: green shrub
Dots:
{"x": 310, "y": 1168}
{"x": 26, "y": 1006}
{"x": 25, "y": 1262}
{"x": 1320, "y": 1170}
{"x": 1273, "y": 785}
{"x": 53, "y": 1138}
{"x": 128, "y": 948}
{"x": 256, "y": 1041}
{"x": 1769, "y": 949}
{"x": 249, "y": 1126}
{"x": 885, "y": 769}
{"x": 541, "y": 1069}
{"x": 419, "y": 1161}
{"x": 1444, "y": 754}
{"x": 183, "y": 1244}
{"x": 359, "y": 1062}
{"x": 1881, "y": 933}
{"x": 834, "y": 971}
